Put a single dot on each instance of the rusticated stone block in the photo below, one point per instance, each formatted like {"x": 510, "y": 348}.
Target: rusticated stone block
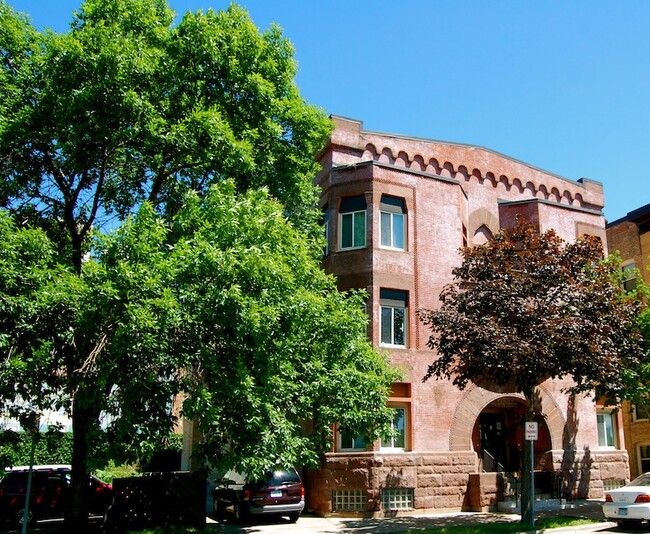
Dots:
{"x": 401, "y": 477}
{"x": 428, "y": 481}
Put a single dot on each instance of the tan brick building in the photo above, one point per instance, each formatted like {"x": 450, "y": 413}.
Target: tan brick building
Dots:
{"x": 630, "y": 236}
{"x": 397, "y": 210}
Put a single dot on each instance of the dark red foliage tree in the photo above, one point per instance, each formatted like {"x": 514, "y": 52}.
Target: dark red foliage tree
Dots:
{"x": 526, "y": 307}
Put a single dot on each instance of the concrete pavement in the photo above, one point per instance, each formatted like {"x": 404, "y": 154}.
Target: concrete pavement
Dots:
{"x": 309, "y": 524}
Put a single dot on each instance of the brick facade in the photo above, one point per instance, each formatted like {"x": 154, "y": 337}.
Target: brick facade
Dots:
{"x": 451, "y": 195}
{"x": 630, "y": 237}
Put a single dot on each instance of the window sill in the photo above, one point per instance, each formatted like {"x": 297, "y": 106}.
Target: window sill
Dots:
{"x": 348, "y": 249}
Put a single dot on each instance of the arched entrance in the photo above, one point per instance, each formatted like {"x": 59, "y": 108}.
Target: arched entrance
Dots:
{"x": 498, "y": 435}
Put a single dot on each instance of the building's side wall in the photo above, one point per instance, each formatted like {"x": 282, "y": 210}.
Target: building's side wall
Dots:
{"x": 632, "y": 243}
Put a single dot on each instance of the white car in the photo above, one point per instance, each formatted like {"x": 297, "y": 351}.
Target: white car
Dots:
{"x": 631, "y": 503}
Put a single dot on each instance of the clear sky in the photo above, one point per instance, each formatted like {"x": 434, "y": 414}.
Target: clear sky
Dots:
{"x": 562, "y": 85}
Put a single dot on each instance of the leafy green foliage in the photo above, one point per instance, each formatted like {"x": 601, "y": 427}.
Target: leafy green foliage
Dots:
{"x": 52, "y": 447}
{"x": 526, "y": 307}
{"x": 126, "y": 114}
{"x": 276, "y": 354}
{"x": 127, "y": 107}
{"x": 227, "y": 306}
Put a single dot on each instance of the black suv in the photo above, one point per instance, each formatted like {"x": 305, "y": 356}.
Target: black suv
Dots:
{"x": 279, "y": 493}
{"x": 50, "y": 488}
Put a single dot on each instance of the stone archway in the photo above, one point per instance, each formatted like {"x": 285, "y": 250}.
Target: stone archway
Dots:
{"x": 477, "y": 398}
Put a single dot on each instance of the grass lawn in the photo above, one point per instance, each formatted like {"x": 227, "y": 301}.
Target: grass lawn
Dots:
{"x": 497, "y": 528}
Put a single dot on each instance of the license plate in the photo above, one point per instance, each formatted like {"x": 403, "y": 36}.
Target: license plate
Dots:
{"x": 276, "y": 493}
{"x": 622, "y": 511}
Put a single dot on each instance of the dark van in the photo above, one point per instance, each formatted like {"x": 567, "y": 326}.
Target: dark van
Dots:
{"x": 49, "y": 495}
{"x": 279, "y": 493}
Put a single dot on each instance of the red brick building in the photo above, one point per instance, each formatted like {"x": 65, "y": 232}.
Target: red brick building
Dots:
{"x": 397, "y": 210}
{"x": 630, "y": 237}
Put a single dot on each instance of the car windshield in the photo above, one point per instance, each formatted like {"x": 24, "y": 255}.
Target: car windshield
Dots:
{"x": 642, "y": 480}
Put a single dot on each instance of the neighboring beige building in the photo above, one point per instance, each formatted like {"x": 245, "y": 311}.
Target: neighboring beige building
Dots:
{"x": 397, "y": 210}
{"x": 630, "y": 236}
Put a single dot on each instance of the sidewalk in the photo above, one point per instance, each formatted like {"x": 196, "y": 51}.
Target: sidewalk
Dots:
{"x": 311, "y": 524}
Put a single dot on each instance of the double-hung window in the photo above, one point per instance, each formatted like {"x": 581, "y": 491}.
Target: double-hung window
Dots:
{"x": 352, "y": 223}
{"x": 393, "y": 306}
{"x": 326, "y": 225}
{"x": 606, "y": 429}
{"x": 350, "y": 442}
{"x": 629, "y": 274}
{"x": 644, "y": 458}
{"x": 642, "y": 411}
{"x": 392, "y": 228}
{"x": 398, "y": 438}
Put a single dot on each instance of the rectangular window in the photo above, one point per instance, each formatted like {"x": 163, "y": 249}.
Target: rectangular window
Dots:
{"x": 644, "y": 458}
{"x": 326, "y": 224}
{"x": 629, "y": 272}
{"x": 352, "y": 223}
{"x": 397, "y": 499}
{"x": 609, "y": 485}
{"x": 397, "y": 441}
{"x": 393, "y": 308}
{"x": 606, "y": 429}
{"x": 350, "y": 442}
{"x": 349, "y": 500}
{"x": 641, "y": 411}
{"x": 392, "y": 228}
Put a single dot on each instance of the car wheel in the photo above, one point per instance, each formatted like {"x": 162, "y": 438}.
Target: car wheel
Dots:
{"x": 219, "y": 510}
{"x": 238, "y": 513}
{"x": 293, "y": 517}
{"x": 20, "y": 516}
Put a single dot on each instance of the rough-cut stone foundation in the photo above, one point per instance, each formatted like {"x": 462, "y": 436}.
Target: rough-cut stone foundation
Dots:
{"x": 449, "y": 481}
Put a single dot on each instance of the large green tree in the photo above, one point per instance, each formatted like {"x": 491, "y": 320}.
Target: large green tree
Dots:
{"x": 225, "y": 305}
{"x": 126, "y": 108}
{"x": 526, "y": 307}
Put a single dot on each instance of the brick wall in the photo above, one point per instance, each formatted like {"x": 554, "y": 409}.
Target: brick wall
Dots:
{"x": 454, "y": 194}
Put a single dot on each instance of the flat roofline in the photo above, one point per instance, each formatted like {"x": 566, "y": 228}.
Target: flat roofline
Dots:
{"x": 637, "y": 215}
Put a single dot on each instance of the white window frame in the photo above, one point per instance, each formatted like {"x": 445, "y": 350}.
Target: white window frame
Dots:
{"x": 326, "y": 224}
{"x": 635, "y": 412}
{"x": 641, "y": 458}
{"x": 629, "y": 271}
{"x": 605, "y": 430}
{"x": 341, "y": 446}
{"x": 391, "y": 305}
{"x": 356, "y": 208}
{"x": 388, "y": 444}
{"x": 391, "y": 208}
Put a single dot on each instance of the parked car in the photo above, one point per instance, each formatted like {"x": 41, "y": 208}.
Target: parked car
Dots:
{"x": 630, "y": 504}
{"x": 49, "y": 493}
{"x": 279, "y": 493}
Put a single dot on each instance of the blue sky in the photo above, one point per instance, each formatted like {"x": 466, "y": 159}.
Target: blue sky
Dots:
{"x": 562, "y": 85}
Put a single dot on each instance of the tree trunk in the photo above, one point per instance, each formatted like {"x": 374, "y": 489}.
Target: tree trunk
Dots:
{"x": 527, "y": 512}
{"x": 78, "y": 503}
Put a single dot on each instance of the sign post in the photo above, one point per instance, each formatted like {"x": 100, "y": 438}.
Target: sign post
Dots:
{"x": 531, "y": 434}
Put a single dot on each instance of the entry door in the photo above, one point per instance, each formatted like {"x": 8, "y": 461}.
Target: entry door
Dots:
{"x": 493, "y": 441}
